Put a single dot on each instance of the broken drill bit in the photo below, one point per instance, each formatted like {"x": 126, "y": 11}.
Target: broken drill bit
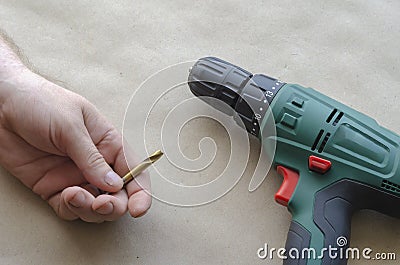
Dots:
{"x": 141, "y": 167}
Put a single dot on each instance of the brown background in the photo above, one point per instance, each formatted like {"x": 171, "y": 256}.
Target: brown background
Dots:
{"x": 103, "y": 50}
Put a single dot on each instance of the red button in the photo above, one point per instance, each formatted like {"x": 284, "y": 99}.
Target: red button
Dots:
{"x": 290, "y": 179}
{"x": 318, "y": 164}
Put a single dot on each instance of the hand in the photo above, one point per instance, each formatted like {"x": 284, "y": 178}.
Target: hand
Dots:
{"x": 59, "y": 145}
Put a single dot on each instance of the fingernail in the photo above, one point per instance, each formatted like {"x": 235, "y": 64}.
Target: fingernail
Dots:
{"x": 106, "y": 208}
{"x": 78, "y": 199}
{"x": 112, "y": 179}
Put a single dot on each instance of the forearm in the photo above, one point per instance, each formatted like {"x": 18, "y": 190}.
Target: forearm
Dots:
{"x": 9, "y": 60}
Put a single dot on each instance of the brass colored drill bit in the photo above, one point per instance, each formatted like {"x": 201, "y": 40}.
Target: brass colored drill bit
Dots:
{"x": 141, "y": 167}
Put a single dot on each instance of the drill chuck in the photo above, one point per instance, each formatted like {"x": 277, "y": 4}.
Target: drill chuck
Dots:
{"x": 247, "y": 95}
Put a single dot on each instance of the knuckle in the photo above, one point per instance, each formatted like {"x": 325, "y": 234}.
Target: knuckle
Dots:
{"x": 111, "y": 136}
{"x": 61, "y": 214}
{"x": 94, "y": 158}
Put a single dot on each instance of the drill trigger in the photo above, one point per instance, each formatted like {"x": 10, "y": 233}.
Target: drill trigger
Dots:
{"x": 285, "y": 192}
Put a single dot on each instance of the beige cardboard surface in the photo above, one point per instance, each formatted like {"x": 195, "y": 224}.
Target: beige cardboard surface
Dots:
{"x": 103, "y": 50}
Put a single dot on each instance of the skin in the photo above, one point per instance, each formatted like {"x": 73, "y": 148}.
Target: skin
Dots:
{"x": 59, "y": 145}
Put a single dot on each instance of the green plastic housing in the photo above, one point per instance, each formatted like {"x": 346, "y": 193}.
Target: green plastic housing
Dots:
{"x": 310, "y": 123}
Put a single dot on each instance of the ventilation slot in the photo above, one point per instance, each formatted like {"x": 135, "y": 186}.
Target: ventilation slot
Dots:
{"x": 390, "y": 186}
{"x": 317, "y": 140}
{"x": 339, "y": 117}
{"x": 322, "y": 146}
{"x": 331, "y": 116}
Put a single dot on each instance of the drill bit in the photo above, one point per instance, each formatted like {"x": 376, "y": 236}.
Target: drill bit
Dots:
{"x": 131, "y": 175}
{"x": 141, "y": 167}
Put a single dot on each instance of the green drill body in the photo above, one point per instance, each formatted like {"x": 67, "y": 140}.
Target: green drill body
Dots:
{"x": 358, "y": 148}
{"x": 334, "y": 159}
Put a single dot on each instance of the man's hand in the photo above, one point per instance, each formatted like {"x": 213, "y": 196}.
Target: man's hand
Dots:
{"x": 60, "y": 146}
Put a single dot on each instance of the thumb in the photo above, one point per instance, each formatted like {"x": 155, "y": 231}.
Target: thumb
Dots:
{"x": 91, "y": 162}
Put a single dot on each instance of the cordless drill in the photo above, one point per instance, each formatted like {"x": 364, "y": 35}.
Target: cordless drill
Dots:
{"x": 334, "y": 160}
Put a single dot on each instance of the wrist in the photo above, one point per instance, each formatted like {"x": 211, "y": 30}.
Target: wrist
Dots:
{"x": 11, "y": 67}
{"x": 10, "y": 81}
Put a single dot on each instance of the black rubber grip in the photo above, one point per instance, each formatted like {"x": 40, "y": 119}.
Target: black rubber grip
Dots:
{"x": 298, "y": 238}
{"x": 335, "y": 205}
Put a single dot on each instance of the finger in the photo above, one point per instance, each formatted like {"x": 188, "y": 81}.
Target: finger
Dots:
{"x": 106, "y": 207}
{"x": 106, "y": 138}
{"x": 118, "y": 153}
{"x": 139, "y": 190}
{"x": 90, "y": 209}
{"x": 90, "y": 161}
{"x": 79, "y": 201}
{"x": 139, "y": 203}
{"x": 60, "y": 209}
{"x": 111, "y": 207}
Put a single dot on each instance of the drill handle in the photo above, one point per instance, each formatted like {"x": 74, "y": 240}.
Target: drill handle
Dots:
{"x": 325, "y": 238}
{"x": 327, "y": 232}
{"x": 328, "y": 228}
